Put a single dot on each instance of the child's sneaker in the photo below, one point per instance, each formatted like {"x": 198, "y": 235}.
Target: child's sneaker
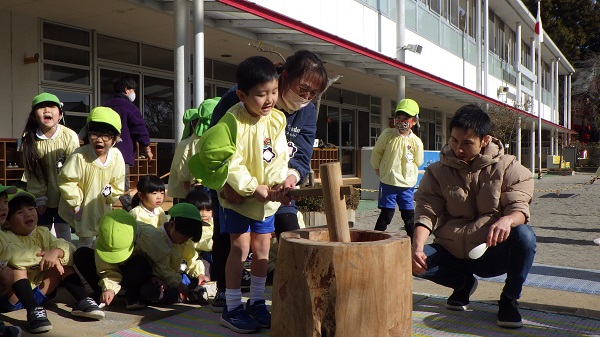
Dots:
{"x": 9, "y": 331}
{"x": 203, "y": 292}
{"x": 246, "y": 280}
{"x": 238, "y": 320}
{"x": 38, "y": 321}
{"x": 88, "y": 308}
{"x": 259, "y": 312}
{"x": 219, "y": 302}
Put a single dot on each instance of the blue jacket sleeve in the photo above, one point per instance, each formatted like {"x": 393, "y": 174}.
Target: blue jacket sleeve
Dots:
{"x": 228, "y": 100}
{"x": 305, "y": 120}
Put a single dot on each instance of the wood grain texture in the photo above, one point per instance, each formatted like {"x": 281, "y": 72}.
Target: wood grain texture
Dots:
{"x": 335, "y": 203}
{"x": 358, "y": 288}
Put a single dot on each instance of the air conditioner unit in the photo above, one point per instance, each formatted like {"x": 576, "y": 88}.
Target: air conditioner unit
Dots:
{"x": 502, "y": 90}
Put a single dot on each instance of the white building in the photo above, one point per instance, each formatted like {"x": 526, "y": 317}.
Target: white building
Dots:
{"x": 75, "y": 48}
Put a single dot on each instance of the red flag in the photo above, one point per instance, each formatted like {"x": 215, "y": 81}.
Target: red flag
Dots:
{"x": 539, "y": 31}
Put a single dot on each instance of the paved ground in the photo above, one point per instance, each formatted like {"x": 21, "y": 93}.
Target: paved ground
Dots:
{"x": 565, "y": 223}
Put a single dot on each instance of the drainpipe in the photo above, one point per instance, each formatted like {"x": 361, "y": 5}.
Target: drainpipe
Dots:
{"x": 198, "y": 52}
{"x": 181, "y": 9}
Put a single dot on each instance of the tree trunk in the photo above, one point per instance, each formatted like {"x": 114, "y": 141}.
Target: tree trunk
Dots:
{"x": 357, "y": 288}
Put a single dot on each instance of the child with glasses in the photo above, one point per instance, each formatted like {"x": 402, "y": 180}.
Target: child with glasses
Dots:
{"x": 93, "y": 177}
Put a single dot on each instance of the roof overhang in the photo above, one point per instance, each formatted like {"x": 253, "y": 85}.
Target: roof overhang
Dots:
{"x": 270, "y": 27}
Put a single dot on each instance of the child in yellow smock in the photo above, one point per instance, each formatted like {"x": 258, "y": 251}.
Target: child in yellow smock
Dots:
{"x": 45, "y": 145}
{"x": 148, "y": 200}
{"x": 396, "y": 158}
{"x": 248, "y": 150}
{"x": 6, "y": 274}
{"x": 39, "y": 264}
{"x": 93, "y": 177}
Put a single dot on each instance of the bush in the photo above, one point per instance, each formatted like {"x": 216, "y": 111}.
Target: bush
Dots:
{"x": 316, "y": 204}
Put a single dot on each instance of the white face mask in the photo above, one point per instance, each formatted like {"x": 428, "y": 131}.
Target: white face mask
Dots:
{"x": 293, "y": 102}
{"x": 131, "y": 96}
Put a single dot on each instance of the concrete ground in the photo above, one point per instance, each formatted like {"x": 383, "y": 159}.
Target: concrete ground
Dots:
{"x": 565, "y": 223}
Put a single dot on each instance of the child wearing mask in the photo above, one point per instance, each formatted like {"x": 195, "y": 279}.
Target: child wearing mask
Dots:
{"x": 396, "y": 158}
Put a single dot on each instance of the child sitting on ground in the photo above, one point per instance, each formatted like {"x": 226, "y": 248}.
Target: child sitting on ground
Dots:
{"x": 6, "y": 274}
{"x": 40, "y": 264}
{"x": 147, "y": 201}
{"x": 93, "y": 176}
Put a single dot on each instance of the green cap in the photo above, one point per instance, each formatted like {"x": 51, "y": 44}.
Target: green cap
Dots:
{"x": 408, "y": 106}
{"x": 105, "y": 115}
{"x": 46, "y": 97}
{"x": 215, "y": 148}
{"x": 189, "y": 211}
{"x": 8, "y": 189}
{"x": 116, "y": 233}
{"x": 205, "y": 111}
{"x": 20, "y": 193}
{"x": 188, "y": 116}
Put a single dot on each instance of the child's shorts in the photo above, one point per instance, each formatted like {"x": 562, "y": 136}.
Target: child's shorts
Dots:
{"x": 390, "y": 196}
{"x": 235, "y": 223}
{"x": 6, "y": 306}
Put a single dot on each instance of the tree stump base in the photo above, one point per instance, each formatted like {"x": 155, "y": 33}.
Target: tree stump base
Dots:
{"x": 357, "y": 288}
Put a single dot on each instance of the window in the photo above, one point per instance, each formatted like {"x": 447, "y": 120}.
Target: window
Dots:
{"x": 66, "y": 55}
{"x": 119, "y": 50}
{"x": 158, "y": 58}
{"x": 526, "y": 55}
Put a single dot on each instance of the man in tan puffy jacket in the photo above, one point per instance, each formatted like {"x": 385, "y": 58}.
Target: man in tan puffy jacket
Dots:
{"x": 475, "y": 201}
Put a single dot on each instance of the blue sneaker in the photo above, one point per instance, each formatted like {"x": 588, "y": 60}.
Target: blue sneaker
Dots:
{"x": 259, "y": 312}
{"x": 238, "y": 320}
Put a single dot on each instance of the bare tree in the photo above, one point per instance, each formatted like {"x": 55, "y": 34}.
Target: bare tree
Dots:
{"x": 504, "y": 123}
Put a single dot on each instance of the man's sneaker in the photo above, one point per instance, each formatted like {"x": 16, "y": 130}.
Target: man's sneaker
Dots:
{"x": 135, "y": 304}
{"x": 238, "y": 320}
{"x": 219, "y": 302}
{"x": 246, "y": 280}
{"x": 459, "y": 300}
{"x": 259, "y": 312}
{"x": 38, "y": 320}
{"x": 508, "y": 313}
{"x": 10, "y": 331}
{"x": 88, "y": 308}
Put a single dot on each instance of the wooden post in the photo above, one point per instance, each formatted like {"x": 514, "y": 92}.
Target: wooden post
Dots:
{"x": 335, "y": 203}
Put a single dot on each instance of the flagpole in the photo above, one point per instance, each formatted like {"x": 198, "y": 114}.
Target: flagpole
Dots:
{"x": 539, "y": 71}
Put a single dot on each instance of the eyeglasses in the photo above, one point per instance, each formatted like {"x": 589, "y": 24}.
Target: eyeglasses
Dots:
{"x": 94, "y": 136}
{"x": 306, "y": 91}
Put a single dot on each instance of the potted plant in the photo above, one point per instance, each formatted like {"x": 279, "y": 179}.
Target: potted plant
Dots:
{"x": 313, "y": 209}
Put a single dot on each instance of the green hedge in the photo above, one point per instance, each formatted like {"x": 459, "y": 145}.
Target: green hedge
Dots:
{"x": 316, "y": 204}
